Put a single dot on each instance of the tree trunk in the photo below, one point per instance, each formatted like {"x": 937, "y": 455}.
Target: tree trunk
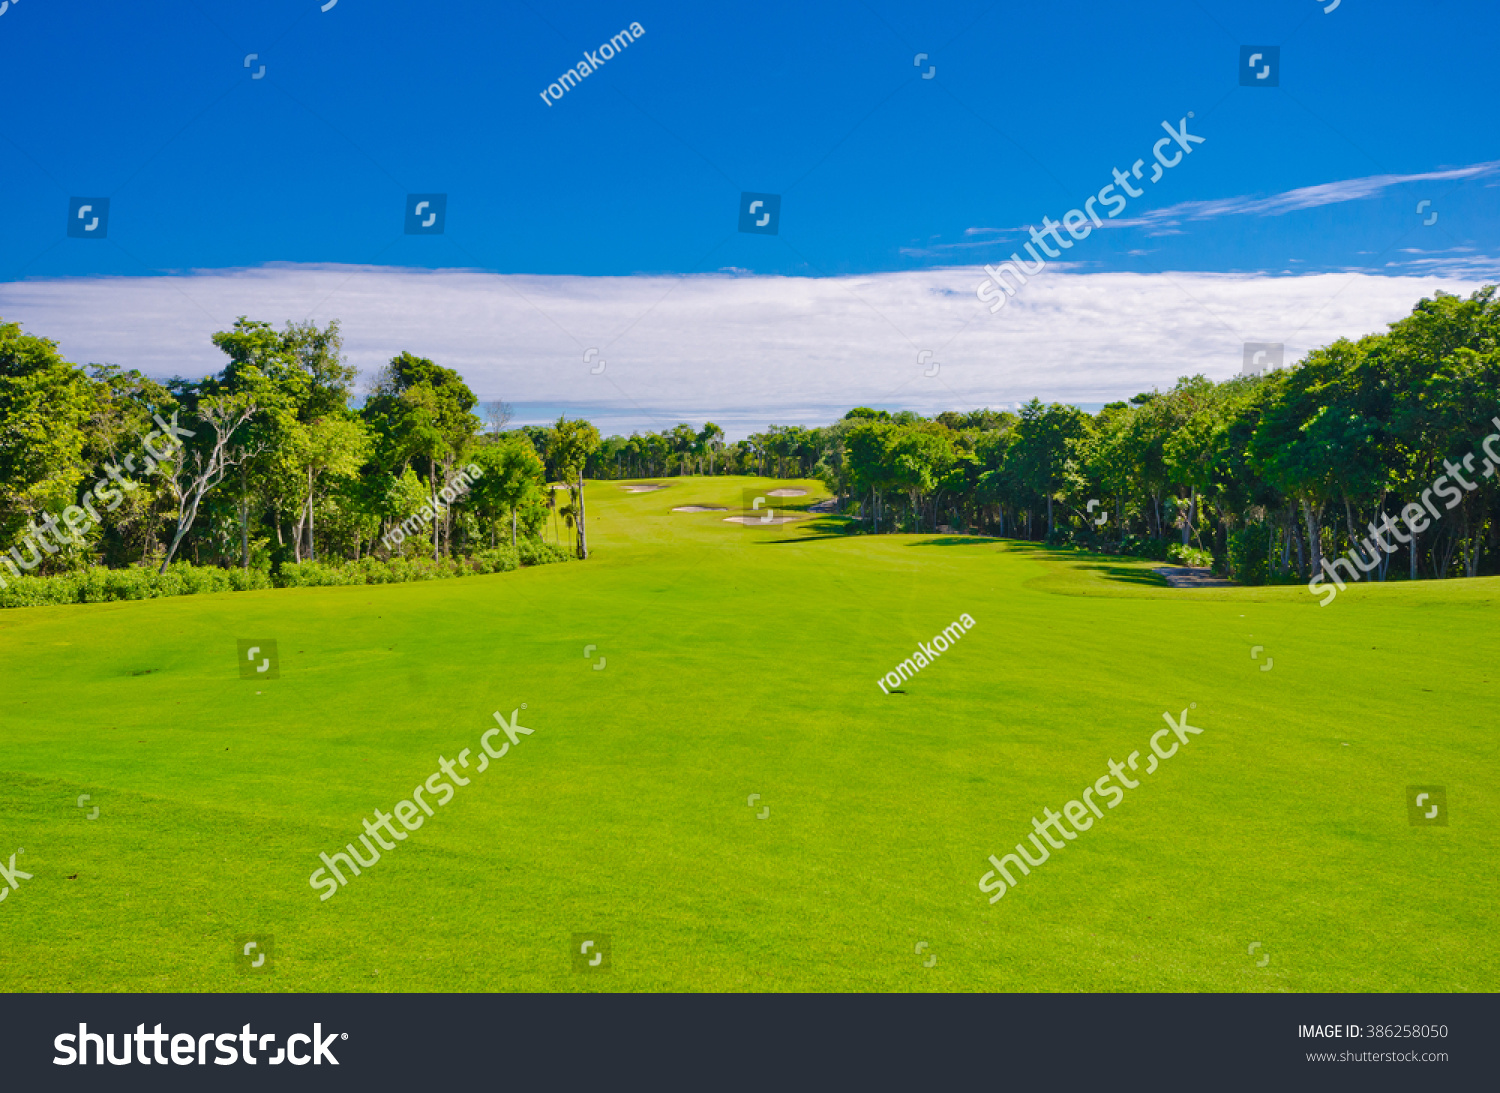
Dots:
{"x": 437, "y": 524}
{"x": 1314, "y": 540}
{"x": 583, "y": 539}
{"x": 1446, "y": 556}
{"x": 312, "y": 546}
{"x": 1469, "y": 544}
{"x": 244, "y": 521}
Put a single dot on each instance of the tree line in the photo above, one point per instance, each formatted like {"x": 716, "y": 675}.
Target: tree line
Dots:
{"x": 1269, "y": 474}
{"x": 266, "y": 461}
{"x": 281, "y": 462}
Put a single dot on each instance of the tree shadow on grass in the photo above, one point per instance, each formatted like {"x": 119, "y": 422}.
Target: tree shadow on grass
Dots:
{"x": 956, "y": 540}
{"x": 817, "y": 530}
{"x": 1110, "y": 567}
{"x": 1128, "y": 574}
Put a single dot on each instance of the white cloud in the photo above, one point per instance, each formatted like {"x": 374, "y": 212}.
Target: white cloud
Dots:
{"x": 1165, "y": 221}
{"x": 1304, "y": 197}
{"x": 741, "y": 350}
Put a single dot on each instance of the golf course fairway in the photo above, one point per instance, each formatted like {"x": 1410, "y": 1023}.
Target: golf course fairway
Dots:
{"x": 1274, "y": 851}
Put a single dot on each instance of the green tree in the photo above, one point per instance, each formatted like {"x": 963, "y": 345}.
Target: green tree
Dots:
{"x": 420, "y": 413}
{"x": 1041, "y": 449}
{"x": 46, "y": 405}
{"x": 335, "y": 448}
{"x": 513, "y": 479}
{"x": 569, "y": 445}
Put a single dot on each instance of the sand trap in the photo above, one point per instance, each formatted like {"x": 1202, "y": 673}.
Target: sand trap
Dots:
{"x": 759, "y": 521}
{"x": 643, "y": 489}
{"x": 700, "y": 508}
{"x": 787, "y": 493}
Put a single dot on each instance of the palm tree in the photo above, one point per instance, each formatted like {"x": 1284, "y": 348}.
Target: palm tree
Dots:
{"x": 569, "y": 445}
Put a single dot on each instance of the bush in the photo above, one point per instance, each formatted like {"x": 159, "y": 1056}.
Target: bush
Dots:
{"x": 1187, "y": 555}
{"x": 99, "y": 584}
{"x": 499, "y": 560}
{"x": 536, "y": 552}
{"x": 1249, "y": 551}
{"x": 1137, "y": 546}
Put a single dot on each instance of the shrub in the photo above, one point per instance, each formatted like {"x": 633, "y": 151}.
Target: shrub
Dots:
{"x": 536, "y": 552}
{"x": 1137, "y": 546}
{"x": 99, "y": 584}
{"x": 499, "y": 560}
{"x": 1188, "y": 555}
{"x": 1249, "y": 551}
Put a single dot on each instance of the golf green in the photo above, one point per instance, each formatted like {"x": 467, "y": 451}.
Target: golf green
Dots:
{"x": 692, "y": 664}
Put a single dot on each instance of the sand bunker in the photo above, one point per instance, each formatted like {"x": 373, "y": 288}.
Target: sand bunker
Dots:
{"x": 700, "y": 508}
{"x": 644, "y": 488}
{"x": 787, "y": 493}
{"x": 759, "y": 521}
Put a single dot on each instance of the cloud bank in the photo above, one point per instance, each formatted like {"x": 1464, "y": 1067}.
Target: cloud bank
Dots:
{"x": 742, "y": 351}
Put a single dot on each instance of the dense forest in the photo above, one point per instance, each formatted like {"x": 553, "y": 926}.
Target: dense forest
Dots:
{"x": 276, "y": 460}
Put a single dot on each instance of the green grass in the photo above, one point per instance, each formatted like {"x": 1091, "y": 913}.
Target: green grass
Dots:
{"x": 744, "y": 661}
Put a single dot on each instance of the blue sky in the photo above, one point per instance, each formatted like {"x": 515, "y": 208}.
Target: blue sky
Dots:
{"x": 639, "y": 169}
